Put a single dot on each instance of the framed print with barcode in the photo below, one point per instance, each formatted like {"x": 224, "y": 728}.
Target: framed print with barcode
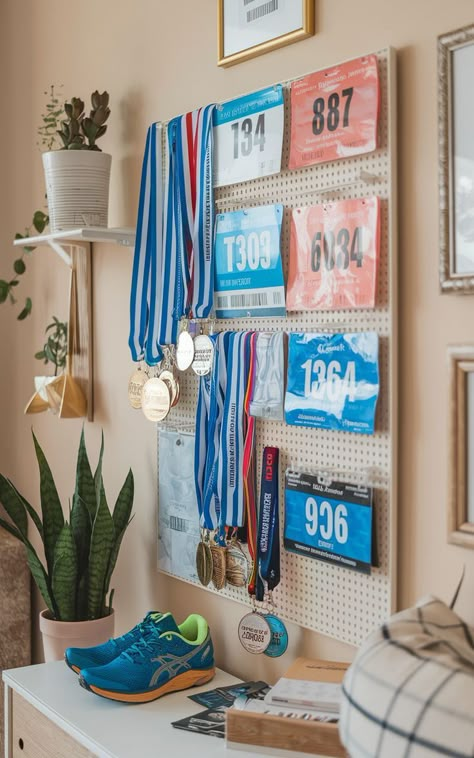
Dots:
{"x": 252, "y": 27}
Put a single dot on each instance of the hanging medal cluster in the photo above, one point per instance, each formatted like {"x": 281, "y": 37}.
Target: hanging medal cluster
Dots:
{"x": 172, "y": 279}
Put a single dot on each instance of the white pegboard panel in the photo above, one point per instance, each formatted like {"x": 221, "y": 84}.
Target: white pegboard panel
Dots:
{"x": 335, "y": 601}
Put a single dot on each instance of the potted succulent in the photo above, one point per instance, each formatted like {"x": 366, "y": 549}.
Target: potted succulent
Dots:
{"x": 77, "y": 175}
{"x": 80, "y": 553}
{"x": 54, "y": 351}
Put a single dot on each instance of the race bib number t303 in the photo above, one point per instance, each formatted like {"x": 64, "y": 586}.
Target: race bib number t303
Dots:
{"x": 248, "y": 136}
{"x": 333, "y": 381}
{"x": 332, "y": 523}
{"x": 334, "y": 113}
{"x": 249, "y": 274}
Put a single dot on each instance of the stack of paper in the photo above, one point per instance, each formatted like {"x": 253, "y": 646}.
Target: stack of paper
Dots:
{"x": 310, "y": 684}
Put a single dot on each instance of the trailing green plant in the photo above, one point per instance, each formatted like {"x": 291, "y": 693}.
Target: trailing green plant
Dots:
{"x": 55, "y": 348}
{"x": 80, "y": 554}
{"x": 80, "y": 132}
{"x": 7, "y": 286}
{"x": 51, "y": 119}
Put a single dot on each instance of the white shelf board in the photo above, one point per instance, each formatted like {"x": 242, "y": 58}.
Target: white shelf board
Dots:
{"x": 121, "y": 236}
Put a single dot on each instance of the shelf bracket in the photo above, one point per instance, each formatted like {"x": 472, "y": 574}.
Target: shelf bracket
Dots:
{"x": 61, "y": 252}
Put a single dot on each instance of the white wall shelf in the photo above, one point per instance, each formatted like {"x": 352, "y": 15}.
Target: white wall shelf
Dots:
{"x": 120, "y": 236}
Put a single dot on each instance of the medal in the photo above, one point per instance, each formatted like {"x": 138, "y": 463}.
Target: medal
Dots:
{"x": 135, "y": 386}
{"x": 169, "y": 379}
{"x": 203, "y": 355}
{"x": 155, "y": 399}
{"x": 204, "y": 562}
{"x": 279, "y": 636}
{"x": 218, "y": 554}
{"x": 237, "y": 565}
{"x": 184, "y": 351}
{"x": 254, "y": 633}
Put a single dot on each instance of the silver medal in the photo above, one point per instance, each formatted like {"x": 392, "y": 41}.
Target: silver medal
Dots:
{"x": 184, "y": 351}
{"x": 254, "y": 633}
{"x": 203, "y": 355}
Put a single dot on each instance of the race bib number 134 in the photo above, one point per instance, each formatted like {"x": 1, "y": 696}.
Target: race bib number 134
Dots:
{"x": 334, "y": 113}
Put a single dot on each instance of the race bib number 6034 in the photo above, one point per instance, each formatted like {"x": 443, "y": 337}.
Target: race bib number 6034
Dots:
{"x": 334, "y": 113}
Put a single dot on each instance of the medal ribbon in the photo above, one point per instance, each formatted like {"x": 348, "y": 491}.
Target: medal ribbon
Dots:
{"x": 148, "y": 253}
{"x": 249, "y": 460}
{"x": 268, "y": 542}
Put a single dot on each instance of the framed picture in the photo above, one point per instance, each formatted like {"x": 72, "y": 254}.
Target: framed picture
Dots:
{"x": 251, "y": 27}
{"x": 456, "y": 160}
{"x": 461, "y": 478}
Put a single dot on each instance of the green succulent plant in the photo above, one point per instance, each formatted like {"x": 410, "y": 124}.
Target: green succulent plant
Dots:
{"x": 55, "y": 348}
{"x": 81, "y": 553}
{"x": 80, "y": 132}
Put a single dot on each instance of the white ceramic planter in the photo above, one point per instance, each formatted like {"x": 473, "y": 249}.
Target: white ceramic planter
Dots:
{"x": 58, "y": 635}
{"x": 77, "y": 186}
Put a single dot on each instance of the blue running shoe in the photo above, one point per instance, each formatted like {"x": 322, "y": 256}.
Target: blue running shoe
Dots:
{"x": 167, "y": 658}
{"x": 78, "y": 658}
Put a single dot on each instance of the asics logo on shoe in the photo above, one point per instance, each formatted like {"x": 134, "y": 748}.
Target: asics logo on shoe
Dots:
{"x": 174, "y": 664}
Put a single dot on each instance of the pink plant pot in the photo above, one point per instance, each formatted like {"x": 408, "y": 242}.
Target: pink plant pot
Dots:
{"x": 58, "y": 635}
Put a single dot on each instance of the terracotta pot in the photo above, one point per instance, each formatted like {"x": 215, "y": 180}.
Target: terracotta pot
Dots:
{"x": 58, "y": 635}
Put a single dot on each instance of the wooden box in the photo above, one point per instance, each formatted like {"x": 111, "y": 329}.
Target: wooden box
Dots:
{"x": 314, "y": 737}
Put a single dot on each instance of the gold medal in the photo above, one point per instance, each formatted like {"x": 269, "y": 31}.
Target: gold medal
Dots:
{"x": 135, "y": 386}
{"x": 169, "y": 379}
{"x": 184, "y": 351}
{"x": 204, "y": 562}
{"x": 155, "y": 399}
{"x": 218, "y": 566}
{"x": 237, "y": 565}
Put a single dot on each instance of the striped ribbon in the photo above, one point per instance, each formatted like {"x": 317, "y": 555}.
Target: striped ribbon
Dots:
{"x": 248, "y": 472}
{"x": 173, "y": 263}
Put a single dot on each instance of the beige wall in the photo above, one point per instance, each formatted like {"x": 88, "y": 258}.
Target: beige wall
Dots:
{"x": 158, "y": 59}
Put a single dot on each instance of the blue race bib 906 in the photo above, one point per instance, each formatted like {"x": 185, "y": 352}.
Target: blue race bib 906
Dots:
{"x": 329, "y": 522}
{"x": 248, "y": 270}
{"x": 333, "y": 381}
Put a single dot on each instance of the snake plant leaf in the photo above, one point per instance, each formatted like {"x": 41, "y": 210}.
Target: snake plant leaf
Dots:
{"x": 41, "y": 578}
{"x": 13, "y": 505}
{"x": 33, "y": 515}
{"x": 81, "y": 529}
{"x": 65, "y": 574}
{"x": 53, "y": 518}
{"x": 98, "y": 482}
{"x": 111, "y": 600}
{"x": 81, "y": 597}
{"x": 124, "y": 504}
{"x": 11, "y": 529}
{"x": 102, "y": 543}
{"x": 113, "y": 557}
{"x": 85, "y": 486}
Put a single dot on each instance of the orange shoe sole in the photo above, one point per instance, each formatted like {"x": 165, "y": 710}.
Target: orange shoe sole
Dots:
{"x": 193, "y": 678}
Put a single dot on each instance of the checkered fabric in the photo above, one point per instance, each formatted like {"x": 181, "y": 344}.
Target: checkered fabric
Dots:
{"x": 410, "y": 689}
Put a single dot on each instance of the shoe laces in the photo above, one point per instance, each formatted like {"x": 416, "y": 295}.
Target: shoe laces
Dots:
{"x": 141, "y": 646}
{"x": 142, "y": 628}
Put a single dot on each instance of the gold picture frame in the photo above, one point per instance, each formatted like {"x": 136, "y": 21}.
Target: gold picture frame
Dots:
{"x": 456, "y": 177}
{"x": 306, "y": 29}
{"x": 461, "y": 437}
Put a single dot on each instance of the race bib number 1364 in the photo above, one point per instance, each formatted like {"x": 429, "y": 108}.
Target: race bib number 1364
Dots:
{"x": 334, "y": 113}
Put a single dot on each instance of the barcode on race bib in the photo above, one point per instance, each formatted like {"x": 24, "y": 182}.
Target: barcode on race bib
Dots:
{"x": 254, "y": 14}
{"x": 250, "y": 300}
{"x": 178, "y": 524}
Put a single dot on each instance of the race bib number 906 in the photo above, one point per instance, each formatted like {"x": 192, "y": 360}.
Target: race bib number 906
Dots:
{"x": 248, "y": 136}
{"x": 332, "y": 522}
{"x": 334, "y": 113}
{"x": 333, "y": 381}
{"x": 334, "y": 251}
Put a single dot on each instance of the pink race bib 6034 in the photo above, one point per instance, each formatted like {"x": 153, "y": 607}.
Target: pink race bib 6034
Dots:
{"x": 334, "y": 113}
{"x": 334, "y": 251}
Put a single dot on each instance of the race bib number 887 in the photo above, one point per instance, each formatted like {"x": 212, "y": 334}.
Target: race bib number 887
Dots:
{"x": 334, "y": 113}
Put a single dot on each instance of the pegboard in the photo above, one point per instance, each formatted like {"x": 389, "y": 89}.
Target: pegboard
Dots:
{"x": 326, "y": 598}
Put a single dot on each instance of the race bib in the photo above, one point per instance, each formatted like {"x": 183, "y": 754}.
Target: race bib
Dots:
{"x": 334, "y": 252}
{"x": 248, "y": 136}
{"x": 332, "y": 523}
{"x": 248, "y": 270}
{"x": 333, "y": 381}
{"x": 334, "y": 113}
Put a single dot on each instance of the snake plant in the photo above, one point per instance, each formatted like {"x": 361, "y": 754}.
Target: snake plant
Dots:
{"x": 80, "y": 554}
